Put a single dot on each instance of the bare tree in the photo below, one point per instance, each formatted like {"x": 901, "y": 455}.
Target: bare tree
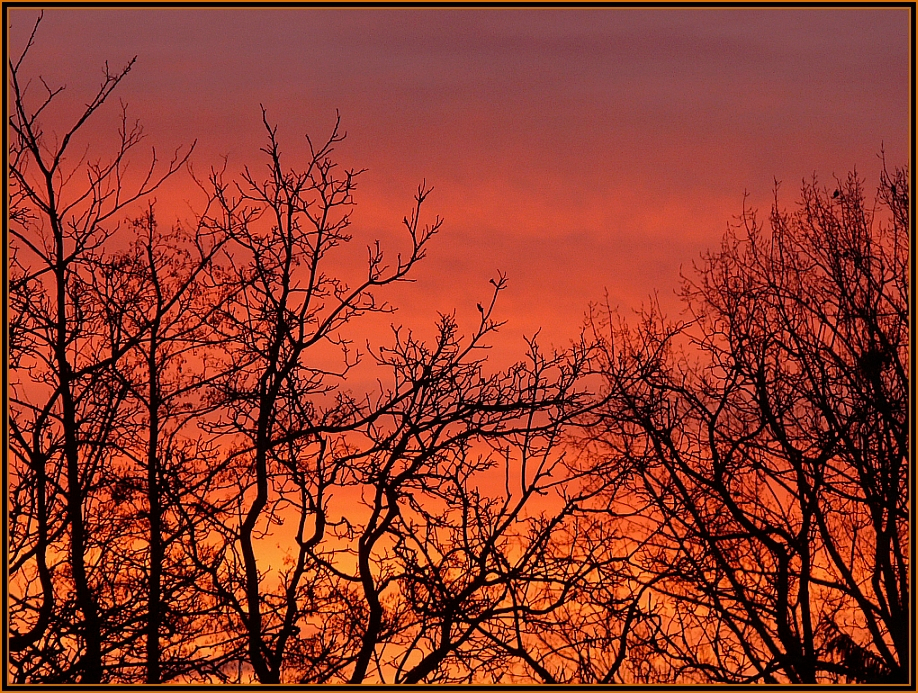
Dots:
{"x": 768, "y": 435}
{"x": 463, "y": 482}
{"x": 168, "y": 462}
{"x": 65, "y": 400}
{"x": 298, "y": 436}
{"x": 182, "y": 400}
{"x": 223, "y": 471}
{"x": 277, "y": 399}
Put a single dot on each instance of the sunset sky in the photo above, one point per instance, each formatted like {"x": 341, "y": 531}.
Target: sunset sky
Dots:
{"x": 576, "y": 150}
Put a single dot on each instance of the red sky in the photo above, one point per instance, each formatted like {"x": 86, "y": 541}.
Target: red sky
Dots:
{"x": 576, "y": 150}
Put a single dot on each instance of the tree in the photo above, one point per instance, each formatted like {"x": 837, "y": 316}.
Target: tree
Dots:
{"x": 66, "y": 397}
{"x": 165, "y": 465}
{"x": 182, "y": 398}
{"x": 299, "y": 436}
{"x": 222, "y": 471}
{"x": 466, "y": 490}
{"x": 768, "y": 435}
{"x": 283, "y": 306}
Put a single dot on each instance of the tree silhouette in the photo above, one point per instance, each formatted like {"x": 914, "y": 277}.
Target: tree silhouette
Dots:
{"x": 222, "y": 471}
{"x": 181, "y": 398}
{"x": 68, "y": 339}
{"x": 768, "y": 436}
{"x": 298, "y": 437}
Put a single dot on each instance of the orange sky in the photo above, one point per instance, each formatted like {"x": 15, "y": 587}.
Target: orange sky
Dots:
{"x": 577, "y": 150}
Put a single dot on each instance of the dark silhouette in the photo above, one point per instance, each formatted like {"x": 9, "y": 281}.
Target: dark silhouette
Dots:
{"x": 181, "y": 399}
{"x": 768, "y": 438}
{"x": 69, "y": 335}
{"x": 221, "y": 470}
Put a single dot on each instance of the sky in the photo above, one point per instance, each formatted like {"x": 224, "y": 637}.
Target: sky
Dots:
{"x": 583, "y": 152}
